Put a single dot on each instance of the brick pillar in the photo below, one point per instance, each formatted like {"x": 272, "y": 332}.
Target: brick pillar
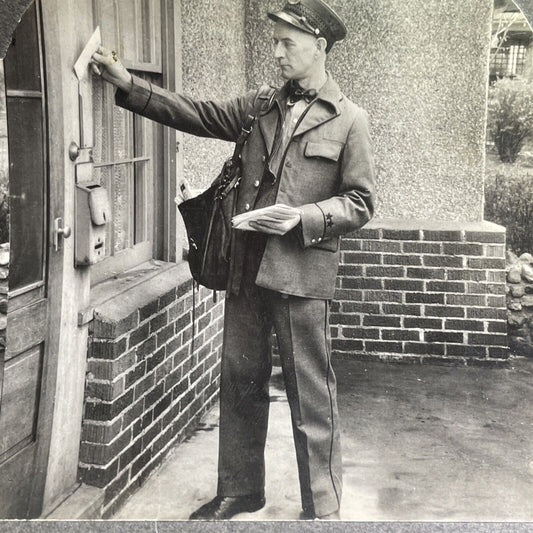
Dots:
{"x": 421, "y": 291}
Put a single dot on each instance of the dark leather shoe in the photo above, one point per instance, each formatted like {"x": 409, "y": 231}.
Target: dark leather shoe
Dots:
{"x": 224, "y": 507}
{"x": 306, "y": 514}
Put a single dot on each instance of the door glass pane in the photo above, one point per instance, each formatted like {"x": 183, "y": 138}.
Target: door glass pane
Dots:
{"x": 4, "y": 167}
{"x": 23, "y": 71}
{"x": 26, "y": 184}
{"x": 123, "y": 206}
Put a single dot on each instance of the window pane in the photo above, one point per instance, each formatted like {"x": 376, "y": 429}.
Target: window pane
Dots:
{"x": 122, "y": 134}
{"x": 26, "y": 183}
{"x": 123, "y": 206}
{"x": 22, "y": 68}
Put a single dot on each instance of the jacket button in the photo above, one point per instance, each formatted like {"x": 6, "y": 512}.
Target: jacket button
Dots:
{"x": 313, "y": 241}
{"x": 247, "y": 207}
{"x": 257, "y": 183}
{"x": 264, "y": 158}
{"x": 320, "y": 239}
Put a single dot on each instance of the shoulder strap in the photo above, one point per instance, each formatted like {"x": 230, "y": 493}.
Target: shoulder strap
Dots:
{"x": 262, "y": 101}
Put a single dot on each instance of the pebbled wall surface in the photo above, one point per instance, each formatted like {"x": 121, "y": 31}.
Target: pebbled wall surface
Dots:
{"x": 420, "y": 69}
{"x": 213, "y": 59}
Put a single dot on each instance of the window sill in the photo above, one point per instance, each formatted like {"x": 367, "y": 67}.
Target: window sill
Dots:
{"x": 121, "y": 295}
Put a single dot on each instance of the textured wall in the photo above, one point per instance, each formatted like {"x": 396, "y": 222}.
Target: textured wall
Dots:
{"x": 420, "y": 69}
{"x": 213, "y": 68}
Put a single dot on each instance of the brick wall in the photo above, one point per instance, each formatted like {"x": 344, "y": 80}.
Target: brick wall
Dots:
{"x": 145, "y": 391}
{"x": 422, "y": 291}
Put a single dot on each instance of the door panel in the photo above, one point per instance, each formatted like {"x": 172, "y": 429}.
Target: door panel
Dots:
{"x": 22, "y": 368}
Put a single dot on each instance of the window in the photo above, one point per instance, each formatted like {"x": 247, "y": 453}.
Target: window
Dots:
{"x": 129, "y": 149}
{"x": 508, "y": 60}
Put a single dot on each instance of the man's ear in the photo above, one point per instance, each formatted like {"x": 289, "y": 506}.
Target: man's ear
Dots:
{"x": 321, "y": 44}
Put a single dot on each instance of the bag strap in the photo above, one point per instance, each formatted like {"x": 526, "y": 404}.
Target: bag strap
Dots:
{"x": 264, "y": 94}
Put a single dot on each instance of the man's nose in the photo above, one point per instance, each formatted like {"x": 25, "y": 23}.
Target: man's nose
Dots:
{"x": 278, "y": 51}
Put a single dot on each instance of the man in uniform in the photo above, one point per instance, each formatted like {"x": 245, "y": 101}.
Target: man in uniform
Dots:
{"x": 311, "y": 157}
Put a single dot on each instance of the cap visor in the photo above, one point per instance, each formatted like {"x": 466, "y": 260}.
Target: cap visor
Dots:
{"x": 282, "y": 16}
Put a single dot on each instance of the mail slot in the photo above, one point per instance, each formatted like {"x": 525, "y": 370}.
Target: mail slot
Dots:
{"x": 92, "y": 215}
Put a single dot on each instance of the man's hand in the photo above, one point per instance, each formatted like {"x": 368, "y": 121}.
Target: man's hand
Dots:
{"x": 106, "y": 64}
{"x": 280, "y": 220}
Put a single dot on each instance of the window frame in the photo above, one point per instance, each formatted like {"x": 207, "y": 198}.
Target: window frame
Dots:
{"x": 161, "y": 227}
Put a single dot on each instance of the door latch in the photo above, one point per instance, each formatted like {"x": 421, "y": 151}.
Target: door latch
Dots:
{"x": 59, "y": 231}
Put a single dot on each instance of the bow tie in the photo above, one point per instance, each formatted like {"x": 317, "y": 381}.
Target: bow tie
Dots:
{"x": 296, "y": 94}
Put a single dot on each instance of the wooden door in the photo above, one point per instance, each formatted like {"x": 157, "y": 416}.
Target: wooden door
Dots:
{"x": 24, "y": 398}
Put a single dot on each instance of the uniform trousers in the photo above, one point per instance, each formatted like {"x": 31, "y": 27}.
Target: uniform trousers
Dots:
{"x": 302, "y": 330}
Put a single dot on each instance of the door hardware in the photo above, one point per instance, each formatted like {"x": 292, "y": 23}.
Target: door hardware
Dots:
{"x": 59, "y": 231}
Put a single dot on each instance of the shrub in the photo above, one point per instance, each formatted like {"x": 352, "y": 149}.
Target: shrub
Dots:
{"x": 510, "y": 116}
{"x": 509, "y": 202}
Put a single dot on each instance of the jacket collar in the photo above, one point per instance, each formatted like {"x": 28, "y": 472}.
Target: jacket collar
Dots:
{"x": 326, "y": 107}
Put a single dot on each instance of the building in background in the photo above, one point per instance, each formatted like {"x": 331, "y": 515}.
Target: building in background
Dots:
{"x": 109, "y": 365}
{"x": 511, "y": 53}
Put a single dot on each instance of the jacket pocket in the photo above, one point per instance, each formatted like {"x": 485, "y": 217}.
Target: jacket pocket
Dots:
{"x": 330, "y": 245}
{"x": 326, "y": 149}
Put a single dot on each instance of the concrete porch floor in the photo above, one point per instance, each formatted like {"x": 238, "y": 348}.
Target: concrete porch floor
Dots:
{"x": 427, "y": 443}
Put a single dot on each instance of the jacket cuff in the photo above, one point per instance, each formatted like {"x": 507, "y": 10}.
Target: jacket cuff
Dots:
{"x": 312, "y": 221}
{"x": 137, "y": 98}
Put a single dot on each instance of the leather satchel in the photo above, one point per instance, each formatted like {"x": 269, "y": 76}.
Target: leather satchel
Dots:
{"x": 207, "y": 217}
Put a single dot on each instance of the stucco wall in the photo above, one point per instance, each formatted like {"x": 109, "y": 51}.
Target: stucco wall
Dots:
{"x": 213, "y": 68}
{"x": 420, "y": 69}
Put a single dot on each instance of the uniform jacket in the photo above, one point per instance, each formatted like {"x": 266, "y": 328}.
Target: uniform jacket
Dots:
{"x": 328, "y": 172}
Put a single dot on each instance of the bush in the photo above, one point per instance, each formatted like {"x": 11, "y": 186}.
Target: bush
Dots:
{"x": 509, "y": 202}
{"x": 510, "y": 116}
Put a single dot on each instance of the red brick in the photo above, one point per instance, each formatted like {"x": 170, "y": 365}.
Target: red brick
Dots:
{"x": 496, "y": 301}
{"x": 464, "y": 325}
{"x": 176, "y": 310}
{"x": 106, "y": 391}
{"x": 351, "y": 345}
{"x": 98, "y": 477}
{"x": 102, "y": 454}
{"x": 145, "y": 385}
{"x": 445, "y": 311}
{"x": 498, "y": 327}
{"x": 381, "y": 246}
{"x": 156, "y": 359}
{"x": 465, "y": 299}
{"x": 108, "y": 410}
{"x": 447, "y": 261}
{"x": 463, "y": 249}
{"x": 351, "y": 244}
{"x": 400, "y": 335}
{"x": 139, "y": 335}
{"x": 423, "y": 348}
{"x": 421, "y": 247}
{"x": 423, "y": 323}
{"x": 486, "y": 263}
{"x": 136, "y": 374}
{"x": 402, "y": 259}
{"x": 141, "y": 462}
{"x": 344, "y": 318}
{"x": 107, "y": 349}
{"x": 383, "y": 296}
{"x": 350, "y": 270}
{"x": 404, "y": 285}
{"x": 361, "y": 283}
{"x": 494, "y": 250}
{"x": 102, "y": 329}
{"x": 485, "y": 237}
{"x": 349, "y": 294}
{"x": 401, "y": 309}
{"x": 386, "y": 347}
{"x": 486, "y": 288}
{"x": 443, "y": 336}
{"x": 184, "y": 288}
{"x": 384, "y": 271}
{"x": 446, "y": 286}
{"x": 382, "y": 321}
{"x": 133, "y": 413}
{"x": 368, "y": 233}
{"x": 424, "y": 298}
{"x": 426, "y": 273}
{"x": 148, "y": 310}
{"x": 497, "y": 352}
{"x": 102, "y": 433}
{"x": 360, "y": 258}
{"x": 442, "y": 235}
{"x": 467, "y": 275}
{"x": 146, "y": 349}
{"x": 160, "y": 321}
{"x": 129, "y": 455}
{"x": 487, "y": 339}
{"x": 167, "y": 299}
{"x": 463, "y": 350}
{"x": 401, "y": 235}
{"x": 360, "y": 333}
